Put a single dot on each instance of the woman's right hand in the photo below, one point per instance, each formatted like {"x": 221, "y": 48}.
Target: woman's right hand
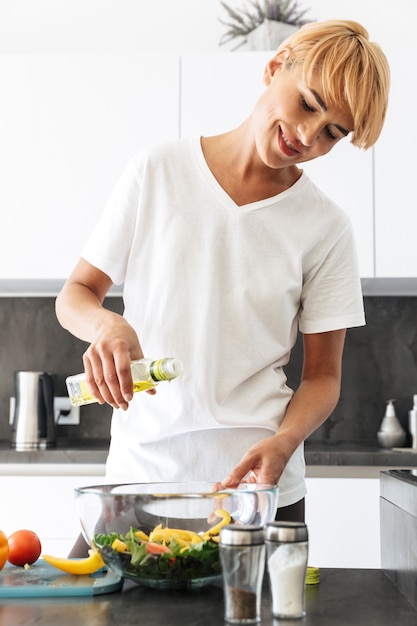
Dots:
{"x": 107, "y": 361}
{"x": 113, "y": 341}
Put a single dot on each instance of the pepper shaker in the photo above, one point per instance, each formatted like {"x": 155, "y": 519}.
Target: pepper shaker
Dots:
{"x": 242, "y": 555}
{"x": 287, "y": 554}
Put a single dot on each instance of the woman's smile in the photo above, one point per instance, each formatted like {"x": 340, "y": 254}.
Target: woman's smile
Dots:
{"x": 286, "y": 145}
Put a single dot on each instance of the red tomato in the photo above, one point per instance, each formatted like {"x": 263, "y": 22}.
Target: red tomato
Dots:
{"x": 156, "y": 548}
{"x": 24, "y": 547}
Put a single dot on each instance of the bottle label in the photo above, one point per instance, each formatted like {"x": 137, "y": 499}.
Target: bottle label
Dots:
{"x": 79, "y": 392}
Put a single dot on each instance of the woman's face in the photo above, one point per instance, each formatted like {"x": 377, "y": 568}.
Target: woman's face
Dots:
{"x": 293, "y": 123}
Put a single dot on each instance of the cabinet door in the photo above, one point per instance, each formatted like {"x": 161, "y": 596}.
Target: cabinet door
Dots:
{"x": 395, "y": 187}
{"x": 342, "y": 516}
{"x": 218, "y": 92}
{"x": 46, "y": 505}
{"x": 69, "y": 123}
{"x": 346, "y": 176}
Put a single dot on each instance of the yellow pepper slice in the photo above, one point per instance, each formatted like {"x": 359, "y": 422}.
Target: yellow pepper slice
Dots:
{"x": 180, "y": 541}
{"x": 120, "y": 546}
{"x": 89, "y": 565}
{"x": 141, "y": 535}
{"x": 214, "y": 530}
{"x": 165, "y": 534}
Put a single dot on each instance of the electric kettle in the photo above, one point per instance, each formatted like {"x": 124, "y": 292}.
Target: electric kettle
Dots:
{"x": 33, "y": 425}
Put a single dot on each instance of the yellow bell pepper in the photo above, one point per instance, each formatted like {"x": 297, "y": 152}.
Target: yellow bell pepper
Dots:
{"x": 89, "y": 565}
{"x": 165, "y": 534}
{"x": 120, "y": 546}
{"x": 214, "y": 530}
{"x": 141, "y": 535}
{"x": 4, "y": 549}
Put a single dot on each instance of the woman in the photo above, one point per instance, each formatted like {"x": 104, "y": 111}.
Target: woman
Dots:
{"x": 226, "y": 248}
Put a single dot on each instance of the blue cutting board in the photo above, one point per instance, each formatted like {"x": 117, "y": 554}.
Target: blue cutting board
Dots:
{"x": 44, "y": 580}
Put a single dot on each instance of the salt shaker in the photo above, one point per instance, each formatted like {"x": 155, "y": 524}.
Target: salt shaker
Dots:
{"x": 242, "y": 555}
{"x": 287, "y": 554}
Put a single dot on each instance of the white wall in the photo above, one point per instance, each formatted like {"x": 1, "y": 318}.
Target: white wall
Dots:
{"x": 180, "y": 26}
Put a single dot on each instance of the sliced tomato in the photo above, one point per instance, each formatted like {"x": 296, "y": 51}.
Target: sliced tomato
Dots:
{"x": 156, "y": 548}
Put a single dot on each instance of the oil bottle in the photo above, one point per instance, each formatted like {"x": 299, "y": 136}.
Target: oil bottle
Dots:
{"x": 146, "y": 374}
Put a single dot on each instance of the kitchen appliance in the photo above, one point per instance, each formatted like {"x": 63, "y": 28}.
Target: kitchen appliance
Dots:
{"x": 33, "y": 424}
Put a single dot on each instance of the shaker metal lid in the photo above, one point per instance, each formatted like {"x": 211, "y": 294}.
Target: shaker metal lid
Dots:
{"x": 286, "y": 531}
{"x": 236, "y": 535}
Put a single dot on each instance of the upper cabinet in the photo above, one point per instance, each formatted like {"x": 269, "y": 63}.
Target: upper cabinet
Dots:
{"x": 69, "y": 123}
{"x": 395, "y": 187}
{"x": 345, "y": 174}
{"x": 218, "y": 92}
{"x": 68, "y": 126}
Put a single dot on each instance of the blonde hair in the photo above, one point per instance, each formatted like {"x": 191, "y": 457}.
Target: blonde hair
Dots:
{"x": 354, "y": 72}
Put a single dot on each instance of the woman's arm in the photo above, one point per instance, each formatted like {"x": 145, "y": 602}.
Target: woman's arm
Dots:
{"x": 113, "y": 342}
{"x": 310, "y": 406}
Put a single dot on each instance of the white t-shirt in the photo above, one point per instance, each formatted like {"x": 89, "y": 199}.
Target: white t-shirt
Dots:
{"x": 224, "y": 288}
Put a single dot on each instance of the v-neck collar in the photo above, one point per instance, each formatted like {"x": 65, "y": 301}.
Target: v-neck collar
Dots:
{"x": 225, "y": 197}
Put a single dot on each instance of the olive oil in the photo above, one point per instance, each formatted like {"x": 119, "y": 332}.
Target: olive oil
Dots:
{"x": 146, "y": 374}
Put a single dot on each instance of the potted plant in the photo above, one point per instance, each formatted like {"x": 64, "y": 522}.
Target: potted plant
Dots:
{"x": 263, "y": 24}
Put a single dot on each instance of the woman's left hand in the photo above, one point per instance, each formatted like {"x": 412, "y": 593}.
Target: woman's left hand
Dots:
{"x": 262, "y": 463}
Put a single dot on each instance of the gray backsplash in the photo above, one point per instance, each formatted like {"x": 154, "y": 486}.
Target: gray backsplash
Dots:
{"x": 380, "y": 362}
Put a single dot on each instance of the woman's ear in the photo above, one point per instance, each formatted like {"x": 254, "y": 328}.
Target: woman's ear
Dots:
{"x": 275, "y": 64}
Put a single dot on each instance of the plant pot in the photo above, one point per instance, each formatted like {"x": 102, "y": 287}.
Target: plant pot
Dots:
{"x": 268, "y": 36}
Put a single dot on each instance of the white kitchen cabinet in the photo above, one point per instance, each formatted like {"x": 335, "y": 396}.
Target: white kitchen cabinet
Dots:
{"x": 395, "y": 186}
{"x": 218, "y": 92}
{"x": 342, "y": 515}
{"x": 46, "y": 505}
{"x": 69, "y": 123}
{"x": 346, "y": 176}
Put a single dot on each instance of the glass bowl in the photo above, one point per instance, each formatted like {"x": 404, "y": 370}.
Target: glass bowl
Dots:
{"x": 165, "y": 535}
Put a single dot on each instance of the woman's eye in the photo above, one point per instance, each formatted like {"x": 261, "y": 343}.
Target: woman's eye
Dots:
{"x": 306, "y": 106}
{"x": 330, "y": 134}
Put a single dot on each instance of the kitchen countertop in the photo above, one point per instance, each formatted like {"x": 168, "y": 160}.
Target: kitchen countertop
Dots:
{"x": 344, "y": 597}
{"x": 355, "y": 459}
{"x": 69, "y": 458}
{"x": 65, "y": 451}
{"x": 322, "y": 459}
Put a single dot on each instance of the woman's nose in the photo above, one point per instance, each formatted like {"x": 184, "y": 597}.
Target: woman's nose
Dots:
{"x": 309, "y": 133}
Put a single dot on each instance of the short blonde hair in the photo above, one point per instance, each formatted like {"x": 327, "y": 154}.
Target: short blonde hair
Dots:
{"x": 354, "y": 72}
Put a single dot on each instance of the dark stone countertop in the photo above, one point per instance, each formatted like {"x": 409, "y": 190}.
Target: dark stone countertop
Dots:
{"x": 72, "y": 451}
{"x": 92, "y": 451}
{"x": 344, "y": 597}
{"x": 363, "y": 454}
